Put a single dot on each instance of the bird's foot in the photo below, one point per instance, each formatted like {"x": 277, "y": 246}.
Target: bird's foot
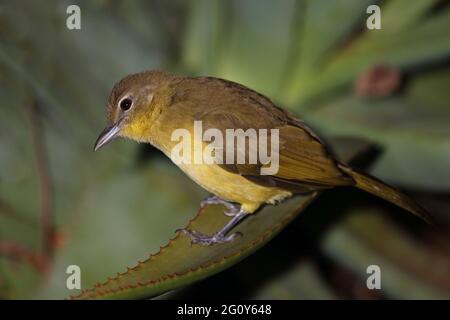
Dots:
{"x": 233, "y": 209}
{"x": 219, "y": 236}
{"x": 208, "y": 240}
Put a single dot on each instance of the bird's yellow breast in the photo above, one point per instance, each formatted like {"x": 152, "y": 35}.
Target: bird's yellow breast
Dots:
{"x": 222, "y": 183}
{"x": 233, "y": 187}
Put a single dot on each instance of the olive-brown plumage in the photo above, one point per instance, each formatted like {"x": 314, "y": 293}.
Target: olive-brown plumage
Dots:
{"x": 163, "y": 102}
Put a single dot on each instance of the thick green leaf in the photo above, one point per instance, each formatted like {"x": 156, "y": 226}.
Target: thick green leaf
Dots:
{"x": 179, "y": 263}
{"x": 423, "y": 43}
{"x": 409, "y": 270}
{"x": 119, "y": 218}
{"x": 205, "y": 37}
{"x": 411, "y": 13}
{"x": 68, "y": 75}
{"x": 321, "y": 26}
{"x": 301, "y": 281}
{"x": 231, "y": 40}
{"x": 415, "y": 137}
{"x": 431, "y": 89}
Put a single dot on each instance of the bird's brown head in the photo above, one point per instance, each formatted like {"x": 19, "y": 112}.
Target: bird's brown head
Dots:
{"x": 129, "y": 107}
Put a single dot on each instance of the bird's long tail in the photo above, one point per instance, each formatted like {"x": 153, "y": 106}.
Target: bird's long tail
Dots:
{"x": 380, "y": 189}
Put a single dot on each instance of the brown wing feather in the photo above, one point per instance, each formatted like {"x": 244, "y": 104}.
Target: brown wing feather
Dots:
{"x": 305, "y": 159}
{"x": 305, "y": 163}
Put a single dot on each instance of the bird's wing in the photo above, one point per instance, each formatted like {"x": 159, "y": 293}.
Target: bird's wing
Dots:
{"x": 304, "y": 161}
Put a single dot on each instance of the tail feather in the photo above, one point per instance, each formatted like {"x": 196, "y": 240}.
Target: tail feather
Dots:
{"x": 380, "y": 189}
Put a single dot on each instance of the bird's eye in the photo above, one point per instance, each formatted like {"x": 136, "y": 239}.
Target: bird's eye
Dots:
{"x": 125, "y": 104}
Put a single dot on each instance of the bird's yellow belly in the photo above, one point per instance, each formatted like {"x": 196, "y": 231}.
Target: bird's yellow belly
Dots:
{"x": 233, "y": 187}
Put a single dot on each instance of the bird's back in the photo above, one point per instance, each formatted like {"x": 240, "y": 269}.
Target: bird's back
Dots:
{"x": 304, "y": 161}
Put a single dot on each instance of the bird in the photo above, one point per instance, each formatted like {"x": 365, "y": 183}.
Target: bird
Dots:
{"x": 149, "y": 106}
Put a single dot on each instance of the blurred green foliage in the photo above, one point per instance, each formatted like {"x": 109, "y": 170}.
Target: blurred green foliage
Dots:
{"x": 113, "y": 208}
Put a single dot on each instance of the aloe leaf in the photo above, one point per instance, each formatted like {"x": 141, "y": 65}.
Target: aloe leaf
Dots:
{"x": 412, "y": 12}
{"x": 409, "y": 268}
{"x": 321, "y": 27}
{"x": 205, "y": 39}
{"x": 68, "y": 75}
{"x": 327, "y": 26}
{"x": 415, "y": 137}
{"x": 231, "y": 40}
{"x": 301, "y": 283}
{"x": 179, "y": 263}
{"x": 431, "y": 89}
{"x": 404, "y": 49}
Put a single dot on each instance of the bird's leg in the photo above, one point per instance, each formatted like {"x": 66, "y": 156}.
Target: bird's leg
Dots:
{"x": 233, "y": 208}
{"x": 218, "y": 237}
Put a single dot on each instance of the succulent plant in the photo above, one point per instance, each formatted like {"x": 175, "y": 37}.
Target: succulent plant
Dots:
{"x": 60, "y": 204}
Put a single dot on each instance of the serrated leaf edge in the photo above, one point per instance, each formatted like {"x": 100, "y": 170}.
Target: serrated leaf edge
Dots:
{"x": 95, "y": 293}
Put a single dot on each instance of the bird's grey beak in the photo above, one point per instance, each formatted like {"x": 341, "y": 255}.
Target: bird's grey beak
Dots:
{"x": 107, "y": 135}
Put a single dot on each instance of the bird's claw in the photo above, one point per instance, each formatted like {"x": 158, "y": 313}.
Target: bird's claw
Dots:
{"x": 233, "y": 209}
{"x": 231, "y": 213}
{"x": 208, "y": 240}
